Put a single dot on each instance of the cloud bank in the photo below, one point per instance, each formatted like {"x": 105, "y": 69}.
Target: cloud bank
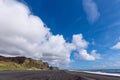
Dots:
{"x": 24, "y": 34}
{"x": 91, "y": 10}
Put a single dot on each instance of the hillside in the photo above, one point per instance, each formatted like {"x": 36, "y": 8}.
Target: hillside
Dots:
{"x": 22, "y": 63}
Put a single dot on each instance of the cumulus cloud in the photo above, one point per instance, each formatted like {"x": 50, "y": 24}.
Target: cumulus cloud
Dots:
{"x": 57, "y": 50}
{"x": 20, "y": 32}
{"x": 116, "y": 46}
{"x": 79, "y": 42}
{"x": 24, "y": 34}
{"x": 84, "y": 55}
{"x": 95, "y": 54}
{"x": 91, "y": 10}
{"x": 81, "y": 45}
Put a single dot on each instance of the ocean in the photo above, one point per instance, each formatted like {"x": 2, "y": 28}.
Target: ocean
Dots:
{"x": 115, "y": 71}
{"x": 111, "y": 72}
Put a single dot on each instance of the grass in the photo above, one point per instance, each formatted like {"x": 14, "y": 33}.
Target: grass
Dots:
{"x": 27, "y": 65}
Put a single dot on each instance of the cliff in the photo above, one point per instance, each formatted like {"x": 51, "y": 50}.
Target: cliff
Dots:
{"x": 22, "y": 63}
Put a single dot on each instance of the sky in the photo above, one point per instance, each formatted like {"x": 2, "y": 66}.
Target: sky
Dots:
{"x": 69, "y": 34}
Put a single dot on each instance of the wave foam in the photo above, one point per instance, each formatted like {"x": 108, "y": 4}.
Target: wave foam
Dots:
{"x": 98, "y": 72}
{"x": 102, "y": 73}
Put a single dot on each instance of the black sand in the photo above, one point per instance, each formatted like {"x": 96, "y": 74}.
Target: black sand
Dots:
{"x": 52, "y": 75}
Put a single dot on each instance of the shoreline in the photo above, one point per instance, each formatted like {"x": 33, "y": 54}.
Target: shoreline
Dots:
{"x": 99, "y": 73}
{"x": 94, "y": 76}
{"x": 53, "y": 75}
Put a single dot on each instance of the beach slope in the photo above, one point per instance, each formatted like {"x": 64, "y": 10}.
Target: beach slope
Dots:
{"x": 52, "y": 75}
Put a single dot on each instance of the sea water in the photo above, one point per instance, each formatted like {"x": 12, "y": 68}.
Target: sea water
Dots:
{"x": 110, "y": 72}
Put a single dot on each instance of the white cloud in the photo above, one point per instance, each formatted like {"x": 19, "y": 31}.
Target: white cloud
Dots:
{"x": 117, "y": 46}
{"x": 95, "y": 54}
{"x": 79, "y": 42}
{"x": 83, "y": 55}
{"x": 81, "y": 45}
{"x": 24, "y": 34}
{"x": 57, "y": 50}
{"x": 91, "y": 10}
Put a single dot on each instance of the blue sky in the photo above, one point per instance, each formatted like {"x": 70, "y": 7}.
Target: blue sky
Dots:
{"x": 97, "y": 20}
{"x": 72, "y": 34}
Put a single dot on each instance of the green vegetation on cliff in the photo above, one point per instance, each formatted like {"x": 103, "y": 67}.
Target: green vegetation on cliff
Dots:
{"x": 22, "y": 63}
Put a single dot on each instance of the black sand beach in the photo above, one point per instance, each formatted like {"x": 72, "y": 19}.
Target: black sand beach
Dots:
{"x": 52, "y": 75}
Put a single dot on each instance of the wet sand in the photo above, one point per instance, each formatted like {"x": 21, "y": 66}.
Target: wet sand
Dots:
{"x": 52, "y": 75}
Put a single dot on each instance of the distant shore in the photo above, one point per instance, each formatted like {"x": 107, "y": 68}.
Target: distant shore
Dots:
{"x": 53, "y": 75}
